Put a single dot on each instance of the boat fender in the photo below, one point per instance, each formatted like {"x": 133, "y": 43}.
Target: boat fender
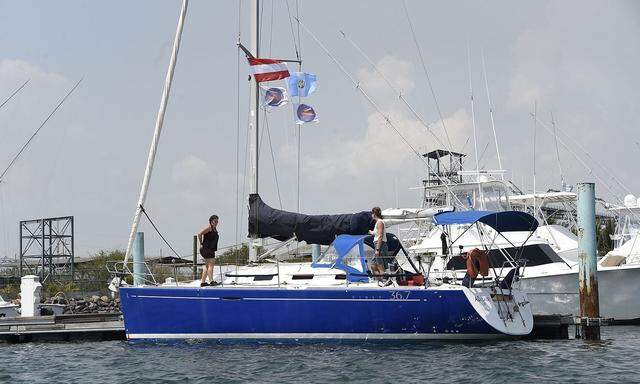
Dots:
{"x": 477, "y": 263}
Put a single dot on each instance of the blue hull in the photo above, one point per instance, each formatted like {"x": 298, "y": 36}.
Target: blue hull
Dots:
{"x": 179, "y": 313}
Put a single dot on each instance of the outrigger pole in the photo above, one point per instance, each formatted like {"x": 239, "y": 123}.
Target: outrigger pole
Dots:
{"x": 156, "y": 134}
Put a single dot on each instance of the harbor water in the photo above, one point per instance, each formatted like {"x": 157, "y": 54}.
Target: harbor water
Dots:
{"x": 612, "y": 360}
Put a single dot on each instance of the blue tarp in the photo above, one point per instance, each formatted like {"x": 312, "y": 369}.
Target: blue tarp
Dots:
{"x": 507, "y": 221}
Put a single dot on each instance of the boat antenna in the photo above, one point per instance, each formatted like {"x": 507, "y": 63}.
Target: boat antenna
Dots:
{"x": 158, "y": 129}
{"x": 17, "y": 156}
{"x": 493, "y": 125}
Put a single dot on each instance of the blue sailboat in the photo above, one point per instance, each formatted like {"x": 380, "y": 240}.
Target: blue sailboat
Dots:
{"x": 333, "y": 297}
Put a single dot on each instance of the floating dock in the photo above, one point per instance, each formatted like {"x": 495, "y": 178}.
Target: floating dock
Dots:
{"x": 548, "y": 327}
{"x": 109, "y": 326}
{"x": 76, "y": 327}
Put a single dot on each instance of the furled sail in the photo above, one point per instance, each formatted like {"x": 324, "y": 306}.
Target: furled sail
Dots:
{"x": 265, "y": 221}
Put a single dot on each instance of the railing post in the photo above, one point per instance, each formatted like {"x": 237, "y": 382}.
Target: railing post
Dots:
{"x": 138, "y": 259}
{"x": 195, "y": 257}
{"x": 587, "y": 258}
{"x": 315, "y": 253}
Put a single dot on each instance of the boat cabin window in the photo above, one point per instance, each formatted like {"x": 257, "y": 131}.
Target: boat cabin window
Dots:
{"x": 535, "y": 254}
{"x": 263, "y": 277}
{"x": 307, "y": 276}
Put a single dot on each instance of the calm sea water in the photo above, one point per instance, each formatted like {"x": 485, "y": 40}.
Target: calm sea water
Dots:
{"x": 614, "y": 360}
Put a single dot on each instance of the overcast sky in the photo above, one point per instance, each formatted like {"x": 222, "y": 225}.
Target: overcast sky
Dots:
{"x": 576, "y": 59}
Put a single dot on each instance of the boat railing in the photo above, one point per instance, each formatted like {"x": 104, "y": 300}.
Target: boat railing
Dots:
{"x": 120, "y": 269}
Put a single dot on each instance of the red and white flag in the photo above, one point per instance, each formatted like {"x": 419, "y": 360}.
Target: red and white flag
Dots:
{"x": 268, "y": 69}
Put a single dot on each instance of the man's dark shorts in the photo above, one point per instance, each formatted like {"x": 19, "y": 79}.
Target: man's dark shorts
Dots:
{"x": 383, "y": 258}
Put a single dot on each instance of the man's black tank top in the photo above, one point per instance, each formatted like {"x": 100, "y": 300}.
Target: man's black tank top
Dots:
{"x": 210, "y": 240}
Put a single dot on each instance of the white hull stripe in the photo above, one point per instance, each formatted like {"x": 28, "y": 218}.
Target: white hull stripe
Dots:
{"x": 319, "y": 336}
{"x": 268, "y": 68}
{"x": 266, "y": 298}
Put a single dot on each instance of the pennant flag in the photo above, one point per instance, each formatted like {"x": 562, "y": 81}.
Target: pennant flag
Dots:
{"x": 304, "y": 113}
{"x": 268, "y": 69}
{"x": 301, "y": 84}
{"x": 274, "y": 97}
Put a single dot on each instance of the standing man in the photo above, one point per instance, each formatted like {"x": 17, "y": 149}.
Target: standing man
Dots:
{"x": 208, "y": 239}
{"x": 380, "y": 260}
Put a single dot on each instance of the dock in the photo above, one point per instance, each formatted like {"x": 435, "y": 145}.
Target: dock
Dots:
{"x": 551, "y": 327}
{"x": 70, "y": 327}
{"x": 109, "y": 326}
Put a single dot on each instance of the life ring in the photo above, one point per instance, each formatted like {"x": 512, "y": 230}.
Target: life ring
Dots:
{"x": 477, "y": 263}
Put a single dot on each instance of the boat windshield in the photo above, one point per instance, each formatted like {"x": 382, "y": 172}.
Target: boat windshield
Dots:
{"x": 534, "y": 254}
{"x": 330, "y": 258}
{"x": 488, "y": 195}
{"x": 345, "y": 253}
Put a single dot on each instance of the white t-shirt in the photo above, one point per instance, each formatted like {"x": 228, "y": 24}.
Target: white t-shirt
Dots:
{"x": 375, "y": 232}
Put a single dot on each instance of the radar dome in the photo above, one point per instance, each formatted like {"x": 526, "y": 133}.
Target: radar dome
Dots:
{"x": 630, "y": 201}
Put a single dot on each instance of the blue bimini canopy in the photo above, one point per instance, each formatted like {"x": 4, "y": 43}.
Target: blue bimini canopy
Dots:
{"x": 507, "y": 221}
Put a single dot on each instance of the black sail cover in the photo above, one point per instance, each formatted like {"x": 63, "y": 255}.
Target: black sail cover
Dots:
{"x": 265, "y": 221}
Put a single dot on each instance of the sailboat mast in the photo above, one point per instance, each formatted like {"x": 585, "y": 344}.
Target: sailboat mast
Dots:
{"x": 156, "y": 134}
{"x": 254, "y": 114}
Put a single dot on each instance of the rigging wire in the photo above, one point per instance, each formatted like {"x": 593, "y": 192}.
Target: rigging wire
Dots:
{"x": 426, "y": 72}
{"x": 271, "y": 29}
{"x": 297, "y": 129}
{"x": 473, "y": 115}
{"x": 15, "y": 158}
{"x": 584, "y": 164}
{"x": 247, "y": 156}
{"x": 298, "y": 18}
{"x": 238, "y": 206}
{"x": 484, "y": 151}
{"x": 266, "y": 120}
{"x": 273, "y": 160}
{"x": 14, "y": 93}
{"x": 386, "y": 117}
{"x": 394, "y": 88}
{"x": 493, "y": 125}
{"x": 555, "y": 136}
{"x": 624, "y": 188}
{"x": 535, "y": 130}
{"x": 473, "y": 123}
{"x": 293, "y": 36}
{"x": 159, "y": 233}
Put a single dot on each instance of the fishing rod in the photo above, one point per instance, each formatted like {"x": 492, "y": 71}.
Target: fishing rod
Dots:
{"x": 15, "y": 158}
